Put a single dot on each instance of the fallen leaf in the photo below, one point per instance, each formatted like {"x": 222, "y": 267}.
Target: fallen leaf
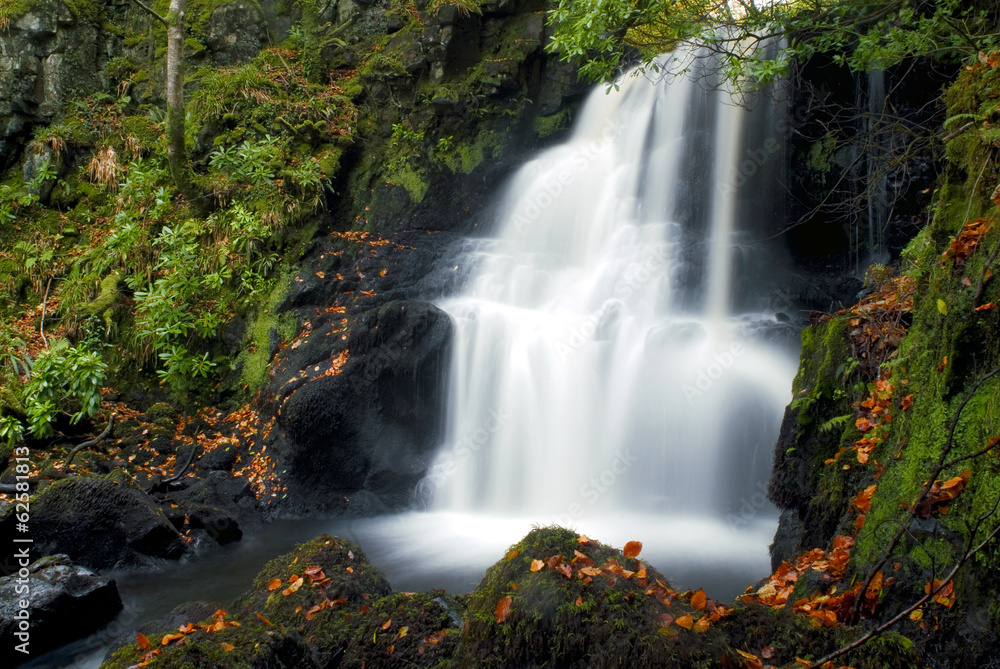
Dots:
{"x": 265, "y": 620}
{"x": 565, "y": 570}
{"x": 767, "y": 652}
{"x": 537, "y": 565}
{"x": 698, "y": 600}
{"x": 403, "y": 631}
{"x": 750, "y": 661}
{"x": 632, "y": 549}
{"x": 167, "y": 638}
{"x": 987, "y": 306}
{"x": 579, "y": 601}
{"x": 916, "y": 614}
{"x": 685, "y": 621}
{"x": 503, "y": 609}
{"x": 142, "y": 641}
{"x": 387, "y": 625}
{"x": 228, "y": 647}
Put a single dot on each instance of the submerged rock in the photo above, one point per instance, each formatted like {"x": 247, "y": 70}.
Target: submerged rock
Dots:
{"x": 64, "y": 602}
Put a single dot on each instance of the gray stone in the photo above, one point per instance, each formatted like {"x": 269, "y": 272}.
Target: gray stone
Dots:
{"x": 235, "y": 33}
{"x": 64, "y": 602}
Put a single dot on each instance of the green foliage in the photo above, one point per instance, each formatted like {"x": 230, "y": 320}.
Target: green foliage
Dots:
{"x": 861, "y": 34}
{"x": 11, "y": 430}
{"x": 66, "y": 380}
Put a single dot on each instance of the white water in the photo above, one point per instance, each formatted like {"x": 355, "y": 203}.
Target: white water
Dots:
{"x": 599, "y": 368}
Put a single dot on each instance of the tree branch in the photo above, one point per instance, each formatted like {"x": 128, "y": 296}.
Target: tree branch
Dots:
{"x": 152, "y": 12}
{"x": 87, "y": 444}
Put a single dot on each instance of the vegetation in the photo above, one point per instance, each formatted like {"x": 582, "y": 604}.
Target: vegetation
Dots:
{"x": 861, "y": 34}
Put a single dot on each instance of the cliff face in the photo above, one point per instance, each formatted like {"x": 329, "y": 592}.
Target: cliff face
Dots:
{"x": 888, "y": 438}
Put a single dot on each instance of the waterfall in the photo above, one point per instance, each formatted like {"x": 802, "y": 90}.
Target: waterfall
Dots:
{"x": 613, "y": 350}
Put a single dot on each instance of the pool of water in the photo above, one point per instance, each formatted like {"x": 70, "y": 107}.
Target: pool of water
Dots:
{"x": 423, "y": 551}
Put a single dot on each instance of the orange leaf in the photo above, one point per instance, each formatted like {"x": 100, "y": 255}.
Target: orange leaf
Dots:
{"x": 387, "y": 625}
{"x": 142, "y": 641}
{"x": 228, "y": 647}
{"x": 986, "y": 307}
{"x": 702, "y": 625}
{"x": 537, "y": 565}
{"x": 503, "y": 609}
{"x": 583, "y": 539}
{"x": 167, "y": 638}
{"x": 698, "y": 600}
{"x": 274, "y": 584}
{"x": 565, "y": 570}
{"x": 590, "y": 571}
{"x": 579, "y": 601}
{"x": 632, "y": 549}
{"x": 750, "y": 661}
{"x": 685, "y": 621}
{"x": 261, "y": 616}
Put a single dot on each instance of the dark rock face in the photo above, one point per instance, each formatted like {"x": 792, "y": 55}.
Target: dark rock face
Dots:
{"x": 102, "y": 525}
{"x": 46, "y": 55}
{"x": 66, "y": 601}
{"x": 217, "y": 506}
{"x": 235, "y": 33}
{"x": 358, "y": 440}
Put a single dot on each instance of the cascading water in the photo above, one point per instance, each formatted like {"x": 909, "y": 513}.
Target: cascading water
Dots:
{"x": 602, "y": 366}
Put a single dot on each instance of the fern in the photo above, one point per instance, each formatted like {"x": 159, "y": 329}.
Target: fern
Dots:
{"x": 835, "y": 423}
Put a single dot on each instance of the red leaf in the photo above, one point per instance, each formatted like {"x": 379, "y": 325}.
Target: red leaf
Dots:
{"x": 632, "y": 549}
{"x": 565, "y": 570}
{"x": 503, "y": 609}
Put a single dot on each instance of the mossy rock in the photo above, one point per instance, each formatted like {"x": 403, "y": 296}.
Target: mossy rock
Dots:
{"x": 555, "y": 621}
{"x": 347, "y": 573}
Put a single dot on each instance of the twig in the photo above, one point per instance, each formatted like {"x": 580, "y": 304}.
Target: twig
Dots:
{"x": 87, "y": 444}
{"x": 969, "y": 552}
{"x": 982, "y": 275}
{"x": 955, "y": 133}
{"x": 941, "y": 464}
{"x": 975, "y": 187}
{"x": 41, "y": 324}
{"x": 178, "y": 475}
{"x": 290, "y": 72}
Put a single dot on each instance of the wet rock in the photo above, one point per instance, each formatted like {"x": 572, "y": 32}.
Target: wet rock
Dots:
{"x": 45, "y": 53}
{"x": 179, "y": 615}
{"x": 102, "y": 525}
{"x": 65, "y": 601}
{"x": 235, "y": 33}
{"x": 374, "y": 425}
{"x": 611, "y": 620}
{"x": 219, "y": 504}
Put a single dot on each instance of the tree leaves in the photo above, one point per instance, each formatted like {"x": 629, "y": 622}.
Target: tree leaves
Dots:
{"x": 141, "y": 641}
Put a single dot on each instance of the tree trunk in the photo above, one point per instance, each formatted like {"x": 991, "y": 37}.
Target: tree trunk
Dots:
{"x": 180, "y": 170}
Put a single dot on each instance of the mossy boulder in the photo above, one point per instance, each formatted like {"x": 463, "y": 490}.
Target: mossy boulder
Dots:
{"x": 587, "y": 606}
{"x": 101, "y": 524}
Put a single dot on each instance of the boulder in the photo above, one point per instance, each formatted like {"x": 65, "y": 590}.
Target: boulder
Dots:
{"x": 235, "y": 33}
{"x": 64, "y": 602}
{"x": 361, "y": 415}
{"x": 102, "y": 524}
{"x": 584, "y": 604}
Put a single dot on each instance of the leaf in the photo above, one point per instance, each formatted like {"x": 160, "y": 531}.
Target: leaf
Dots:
{"x": 767, "y": 652}
{"x": 685, "y": 621}
{"x": 702, "y": 625}
{"x": 565, "y": 570}
{"x": 583, "y": 539}
{"x": 942, "y": 306}
{"x": 167, "y": 638}
{"x": 632, "y": 549}
{"x": 228, "y": 647}
{"x": 387, "y": 624}
{"x": 916, "y": 614}
{"x": 403, "y": 631}
{"x": 274, "y": 584}
{"x": 141, "y": 641}
{"x": 987, "y": 306}
{"x": 590, "y": 571}
{"x": 750, "y": 661}
{"x": 537, "y": 565}
{"x": 698, "y": 600}
{"x": 503, "y": 609}
{"x": 265, "y": 620}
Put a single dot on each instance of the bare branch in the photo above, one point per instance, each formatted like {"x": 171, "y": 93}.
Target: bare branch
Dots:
{"x": 152, "y": 12}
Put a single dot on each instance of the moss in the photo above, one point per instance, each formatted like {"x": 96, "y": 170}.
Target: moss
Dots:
{"x": 254, "y": 358}
{"x": 549, "y": 125}
{"x": 558, "y": 621}
{"x": 410, "y": 179}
